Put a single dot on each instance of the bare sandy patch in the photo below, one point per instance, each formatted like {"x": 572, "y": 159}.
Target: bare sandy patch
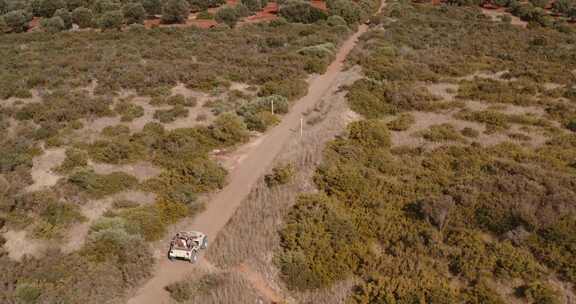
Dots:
{"x": 42, "y": 168}
{"x": 19, "y": 244}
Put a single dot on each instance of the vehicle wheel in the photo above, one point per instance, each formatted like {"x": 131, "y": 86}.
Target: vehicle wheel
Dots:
{"x": 204, "y": 243}
{"x": 194, "y": 258}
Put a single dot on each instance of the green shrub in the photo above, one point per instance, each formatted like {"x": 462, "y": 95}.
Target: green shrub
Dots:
{"x": 98, "y": 186}
{"x": 289, "y": 88}
{"x": 111, "y": 245}
{"x": 53, "y": 25}
{"x": 229, "y": 129}
{"x": 227, "y": 15}
{"x": 83, "y": 17}
{"x": 300, "y": 12}
{"x": 128, "y": 111}
{"x": 205, "y": 15}
{"x": 317, "y": 219}
{"x": 115, "y": 131}
{"x": 349, "y": 10}
{"x": 17, "y": 21}
{"x": 55, "y": 217}
{"x": 442, "y": 132}
{"x": 540, "y": 293}
{"x": 47, "y": 8}
{"x": 252, "y": 5}
{"x": 175, "y": 11}
{"x": 280, "y": 175}
{"x": 134, "y": 13}
{"x": 370, "y": 134}
{"x": 115, "y": 152}
{"x": 199, "y": 175}
{"x": 470, "y": 132}
{"x": 402, "y": 122}
{"x": 179, "y": 291}
{"x": 336, "y": 21}
{"x": 75, "y": 158}
{"x": 66, "y": 17}
{"x": 481, "y": 293}
{"x": 27, "y": 293}
{"x": 571, "y": 125}
{"x": 111, "y": 20}
{"x": 166, "y": 116}
{"x": 144, "y": 221}
{"x": 200, "y": 5}
{"x": 152, "y": 7}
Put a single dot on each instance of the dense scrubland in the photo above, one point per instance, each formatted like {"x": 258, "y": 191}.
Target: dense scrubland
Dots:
{"x": 56, "y": 87}
{"x": 467, "y": 219}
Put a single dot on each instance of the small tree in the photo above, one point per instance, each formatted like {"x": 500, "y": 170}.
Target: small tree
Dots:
{"x": 66, "y": 17}
{"x": 53, "y": 25}
{"x": 17, "y": 21}
{"x": 134, "y": 13}
{"x": 111, "y": 20}
{"x": 83, "y": 17}
{"x": 227, "y": 15}
{"x": 152, "y": 7}
{"x": 175, "y": 11}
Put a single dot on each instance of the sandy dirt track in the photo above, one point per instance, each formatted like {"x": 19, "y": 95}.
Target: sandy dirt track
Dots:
{"x": 242, "y": 178}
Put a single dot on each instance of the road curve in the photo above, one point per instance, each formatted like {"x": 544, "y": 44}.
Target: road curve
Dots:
{"x": 243, "y": 177}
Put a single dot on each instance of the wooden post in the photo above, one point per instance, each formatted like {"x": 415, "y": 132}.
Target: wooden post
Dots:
{"x": 272, "y": 102}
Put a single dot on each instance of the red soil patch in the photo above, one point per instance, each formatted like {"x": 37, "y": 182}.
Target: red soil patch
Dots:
{"x": 150, "y": 23}
{"x": 319, "y": 4}
{"x": 202, "y": 23}
{"x": 34, "y": 23}
{"x": 270, "y": 12}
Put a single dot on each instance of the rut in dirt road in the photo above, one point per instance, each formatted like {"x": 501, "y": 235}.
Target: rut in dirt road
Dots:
{"x": 243, "y": 177}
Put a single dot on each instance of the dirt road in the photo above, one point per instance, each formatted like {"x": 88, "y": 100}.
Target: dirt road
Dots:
{"x": 243, "y": 177}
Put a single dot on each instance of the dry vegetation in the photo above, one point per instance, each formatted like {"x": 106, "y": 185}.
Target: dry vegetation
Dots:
{"x": 466, "y": 220}
{"x": 117, "y": 106}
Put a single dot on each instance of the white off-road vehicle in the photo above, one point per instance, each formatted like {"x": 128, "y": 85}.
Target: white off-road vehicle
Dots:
{"x": 186, "y": 245}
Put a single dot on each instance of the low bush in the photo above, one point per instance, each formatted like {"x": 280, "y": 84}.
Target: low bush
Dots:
{"x": 111, "y": 20}
{"x": 66, "y": 17}
{"x": 83, "y": 17}
{"x": 369, "y": 134}
{"x": 292, "y": 89}
{"x": 228, "y": 15}
{"x": 115, "y": 152}
{"x": 75, "y": 158}
{"x": 53, "y": 25}
{"x": 170, "y": 115}
{"x": 134, "y": 13}
{"x": 402, "y": 123}
{"x": 540, "y": 293}
{"x": 280, "y": 175}
{"x": 115, "y": 131}
{"x": 128, "y": 111}
{"x": 442, "y": 132}
{"x": 98, "y": 186}
{"x": 470, "y": 132}
{"x": 229, "y": 129}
